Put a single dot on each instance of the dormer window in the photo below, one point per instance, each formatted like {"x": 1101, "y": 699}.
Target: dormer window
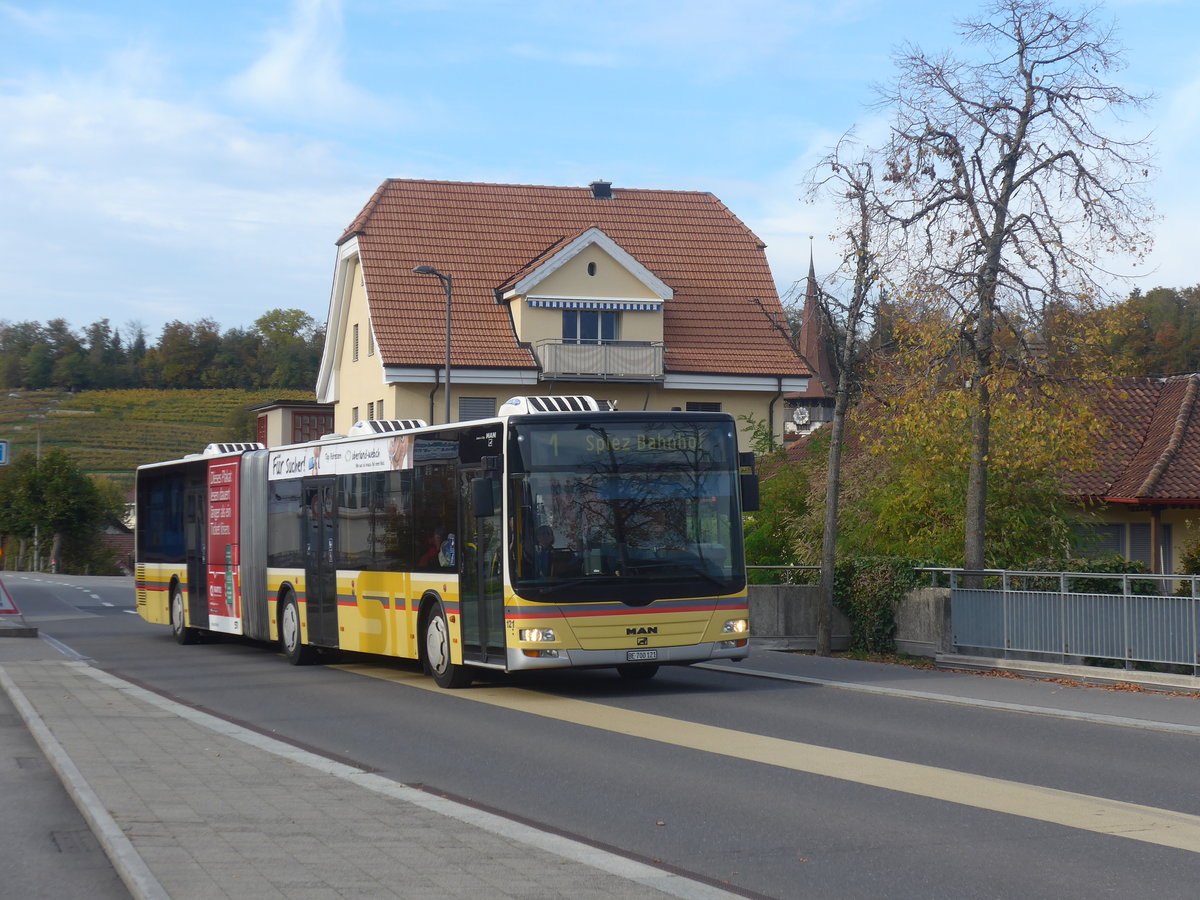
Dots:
{"x": 589, "y": 326}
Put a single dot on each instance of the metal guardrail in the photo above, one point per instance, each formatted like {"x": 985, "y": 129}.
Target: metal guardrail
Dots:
{"x": 1120, "y": 617}
{"x": 1126, "y": 618}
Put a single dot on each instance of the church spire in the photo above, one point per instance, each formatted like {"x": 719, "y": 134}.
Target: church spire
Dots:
{"x": 813, "y": 343}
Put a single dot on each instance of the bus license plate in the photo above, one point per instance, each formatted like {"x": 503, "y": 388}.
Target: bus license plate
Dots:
{"x": 640, "y": 655}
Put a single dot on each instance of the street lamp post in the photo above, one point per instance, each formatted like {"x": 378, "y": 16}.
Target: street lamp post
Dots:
{"x": 448, "y": 284}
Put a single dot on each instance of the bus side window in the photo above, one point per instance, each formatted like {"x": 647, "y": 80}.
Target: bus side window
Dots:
{"x": 432, "y": 549}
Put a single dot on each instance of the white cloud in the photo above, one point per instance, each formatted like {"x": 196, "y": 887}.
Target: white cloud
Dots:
{"x": 149, "y": 208}
{"x": 301, "y": 72}
{"x": 43, "y": 22}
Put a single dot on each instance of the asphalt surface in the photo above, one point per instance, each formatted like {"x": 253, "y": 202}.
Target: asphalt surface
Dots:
{"x": 171, "y": 802}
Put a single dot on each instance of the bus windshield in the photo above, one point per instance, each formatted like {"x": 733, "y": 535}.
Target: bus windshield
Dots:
{"x": 649, "y": 504}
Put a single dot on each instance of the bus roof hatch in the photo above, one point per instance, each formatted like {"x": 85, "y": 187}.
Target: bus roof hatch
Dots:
{"x": 385, "y": 426}
{"x": 234, "y": 447}
{"x": 519, "y": 406}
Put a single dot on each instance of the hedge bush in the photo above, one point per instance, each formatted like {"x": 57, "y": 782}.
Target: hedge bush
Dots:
{"x": 868, "y": 590}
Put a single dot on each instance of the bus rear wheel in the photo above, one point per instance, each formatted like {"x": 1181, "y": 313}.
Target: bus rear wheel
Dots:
{"x": 437, "y": 652}
{"x": 183, "y": 634}
{"x": 297, "y": 652}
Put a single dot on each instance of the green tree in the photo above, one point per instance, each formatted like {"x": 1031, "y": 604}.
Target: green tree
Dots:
{"x": 51, "y": 498}
{"x": 907, "y": 475}
{"x": 104, "y": 354}
{"x": 770, "y": 530}
{"x": 291, "y": 348}
{"x": 17, "y": 339}
{"x": 237, "y": 361}
{"x": 186, "y": 351}
{"x": 135, "y": 353}
{"x": 37, "y": 367}
{"x": 1158, "y": 332}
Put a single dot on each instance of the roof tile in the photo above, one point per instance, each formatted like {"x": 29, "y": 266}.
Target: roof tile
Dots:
{"x": 1151, "y": 449}
{"x": 485, "y": 234}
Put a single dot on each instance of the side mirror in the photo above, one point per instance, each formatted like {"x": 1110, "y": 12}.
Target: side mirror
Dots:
{"x": 749, "y": 481}
{"x": 749, "y": 492}
{"x": 482, "y": 497}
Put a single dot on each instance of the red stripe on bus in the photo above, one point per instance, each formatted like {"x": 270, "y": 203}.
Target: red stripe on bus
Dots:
{"x": 624, "y": 612}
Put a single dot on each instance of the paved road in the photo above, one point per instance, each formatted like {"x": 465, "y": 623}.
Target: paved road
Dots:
{"x": 812, "y": 778}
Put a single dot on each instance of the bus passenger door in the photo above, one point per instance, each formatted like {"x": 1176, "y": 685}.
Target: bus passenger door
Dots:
{"x": 320, "y": 560}
{"x": 195, "y": 499}
{"x": 481, "y": 589}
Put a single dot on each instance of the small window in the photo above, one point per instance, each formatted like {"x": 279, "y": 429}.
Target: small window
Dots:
{"x": 703, "y": 406}
{"x": 589, "y": 326}
{"x": 591, "y": 268}
{"x": 379, "y": 408}
{"x": 354, "y": 358}
{"x": 370, "y": 342}
{"x": 353, "y": 415}
{"x": 310, "y": 426}
{"x": 371, "y": 411}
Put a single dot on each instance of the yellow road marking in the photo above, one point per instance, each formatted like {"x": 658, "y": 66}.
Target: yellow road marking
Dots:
{"x": 1072, "y": 810}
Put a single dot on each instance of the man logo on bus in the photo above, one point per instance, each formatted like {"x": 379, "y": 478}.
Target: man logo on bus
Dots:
{"x": 652, "y": 629}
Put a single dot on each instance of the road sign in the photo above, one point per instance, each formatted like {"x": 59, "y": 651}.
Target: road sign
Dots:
{"x": 3, "y": 453}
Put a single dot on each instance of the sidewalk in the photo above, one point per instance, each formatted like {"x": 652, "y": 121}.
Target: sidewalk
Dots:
{"x": 190, "y": 806}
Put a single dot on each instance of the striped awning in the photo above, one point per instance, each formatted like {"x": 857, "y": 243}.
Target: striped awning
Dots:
{"x": 631, "y": 305}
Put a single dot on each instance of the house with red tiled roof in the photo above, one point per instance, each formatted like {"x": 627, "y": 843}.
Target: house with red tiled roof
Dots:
{"x": 647, "y": 298}
{"x": 1147, "y": 478}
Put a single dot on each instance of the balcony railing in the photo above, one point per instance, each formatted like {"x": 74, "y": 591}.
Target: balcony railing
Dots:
{"x": 607, "y": 361}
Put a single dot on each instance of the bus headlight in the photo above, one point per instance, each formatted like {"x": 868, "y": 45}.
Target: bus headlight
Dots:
{"x": 537, "y": 635}
{"x": 736, "y": 626}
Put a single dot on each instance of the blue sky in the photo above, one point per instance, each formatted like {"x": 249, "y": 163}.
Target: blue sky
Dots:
{"x": 164, "y": 160}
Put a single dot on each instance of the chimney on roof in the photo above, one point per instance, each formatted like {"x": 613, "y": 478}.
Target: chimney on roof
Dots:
{"x": 601, "y": 190}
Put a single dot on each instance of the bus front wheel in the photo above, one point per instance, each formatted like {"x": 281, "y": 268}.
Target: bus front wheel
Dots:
{"x": 437, "y": 652}
{"x": 297, "y": 652}
{"x": 183, "y": 634}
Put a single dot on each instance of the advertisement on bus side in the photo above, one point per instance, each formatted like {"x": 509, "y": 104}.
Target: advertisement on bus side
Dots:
{"x": 350, "y": 458}
{"x": 224, "y": 613}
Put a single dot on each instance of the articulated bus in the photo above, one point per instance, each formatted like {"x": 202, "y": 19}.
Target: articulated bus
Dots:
{"x": 556, "y": 534}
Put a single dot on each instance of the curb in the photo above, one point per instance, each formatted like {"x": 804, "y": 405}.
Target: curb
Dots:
{"x": 17, "y": 628}
{"x": 125, "y": 859}
{"x": 1151, "y": 681}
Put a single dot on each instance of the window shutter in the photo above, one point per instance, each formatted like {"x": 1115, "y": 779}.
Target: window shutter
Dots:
{"x": 476, "y": 408}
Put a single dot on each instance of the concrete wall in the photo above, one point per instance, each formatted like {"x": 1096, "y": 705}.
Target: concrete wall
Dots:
{"x": 784, "y": 617}
{"x": 923, "y": 622}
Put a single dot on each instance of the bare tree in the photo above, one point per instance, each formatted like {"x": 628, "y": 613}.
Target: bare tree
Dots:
{"x": 851, "y": 184}
{"x": 1011, "y": 194}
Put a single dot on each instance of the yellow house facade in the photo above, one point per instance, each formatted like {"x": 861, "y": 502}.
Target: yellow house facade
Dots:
{"x": 645, "y": 299}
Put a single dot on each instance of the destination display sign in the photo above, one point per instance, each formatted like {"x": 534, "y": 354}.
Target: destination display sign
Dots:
{"x": 696, "y": 444}
{"x": 376, "y": 455}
